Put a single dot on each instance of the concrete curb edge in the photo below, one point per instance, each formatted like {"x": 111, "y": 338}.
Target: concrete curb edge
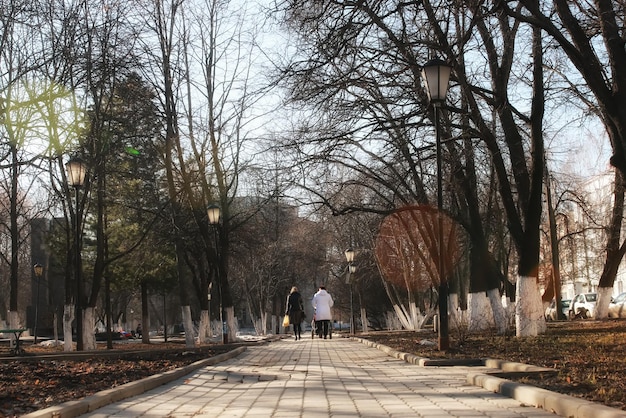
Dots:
{"x": 72, "y": 409}
{"x": 557, "y": 403}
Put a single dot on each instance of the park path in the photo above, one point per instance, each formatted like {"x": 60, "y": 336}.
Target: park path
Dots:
{"x": 313, "y": 378}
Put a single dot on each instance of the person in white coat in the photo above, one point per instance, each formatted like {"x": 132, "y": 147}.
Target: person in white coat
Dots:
{"x": 322, "y": 302}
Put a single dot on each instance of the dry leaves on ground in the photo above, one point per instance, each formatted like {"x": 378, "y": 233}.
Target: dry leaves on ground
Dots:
{"x": 590, "y": 357}
{"x": 27, "y": 386}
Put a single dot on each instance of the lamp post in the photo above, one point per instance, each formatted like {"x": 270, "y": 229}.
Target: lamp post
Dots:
{"x": 351, "y": 269}
{"x": 214, "y": 215}
{"x": 436, "y": 75}
{"x": 76, "y": 173}
{"x": 209, "y": 302}
{"x": 38, "y": 270}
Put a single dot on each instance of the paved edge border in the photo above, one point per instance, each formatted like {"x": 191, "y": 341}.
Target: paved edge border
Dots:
{"x": 72, "y": 409}
{"x": 557, "y": 403}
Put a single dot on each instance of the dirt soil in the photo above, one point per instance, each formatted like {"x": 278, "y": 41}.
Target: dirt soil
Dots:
{"x": 589, "y": 356}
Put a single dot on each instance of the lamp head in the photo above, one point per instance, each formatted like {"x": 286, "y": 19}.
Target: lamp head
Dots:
{"x": 436, "y": 76}
{"x": 38, "y": 269}
{"x": 76, "y": 172}
{"x": 214, "y": 213}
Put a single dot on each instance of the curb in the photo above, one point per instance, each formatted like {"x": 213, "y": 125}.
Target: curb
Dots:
{"x": 72, "y": 409}
{"x": 556, "y": 403}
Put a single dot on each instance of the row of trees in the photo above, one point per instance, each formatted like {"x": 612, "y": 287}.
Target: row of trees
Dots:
{"x": 515, "y": 65}
{"x": 160, "y": 100}
{"x": 169, "y": 104}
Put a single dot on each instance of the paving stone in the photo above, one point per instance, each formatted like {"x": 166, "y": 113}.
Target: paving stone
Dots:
{"x": 339, "y": 377}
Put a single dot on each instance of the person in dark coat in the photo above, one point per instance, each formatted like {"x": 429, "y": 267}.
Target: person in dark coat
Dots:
{"x": 295, "y": 310}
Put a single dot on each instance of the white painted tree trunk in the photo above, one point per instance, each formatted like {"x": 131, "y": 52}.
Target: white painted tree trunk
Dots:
{"x": 55, "y": 327}
{"x": 497, "y": 310}
{"x": 529, "y": 319}
{"x": 458, "y": 320}
{"x": 602, "y": 304}
{"x": 364, "y": 326}
{"x": 263, "y": 328}
{"x": 216, "y": 330}
{"x": 190, "y": 334}
{"x": 68, "y": 317}
{"x": 89, "y": 325}
{"x": 204, "y": 331}
{"x": 456, "y": 317}
{"x": 14, "y": 323}
{"x": 231, "y": 323}
{"x": 402, "y": 316}
{"x": 480, "y": 312}
{"x": 392, "y": 321}
{"x": 509, "y": 311}
{"x": 411, "y": 318}
{"x": 14, "y": 320}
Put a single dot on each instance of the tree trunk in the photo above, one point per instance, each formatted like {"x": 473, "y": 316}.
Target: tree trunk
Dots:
{"x": 204, "y": 329}
{"x": 145, "y": 314}
{"x": 602, "y": 309}
{"x": 529, "y": 318}
{"x": 480, "y": 311}
{"x": 190, "y": 340}
{"x": 68, "y": 317}
{"x": 614, "y": 251}
{"x": 231, "y": 322}
{"x": 501, "y": 319}
{"x": 89, "y": 325}
{"x": 364, "y": 326}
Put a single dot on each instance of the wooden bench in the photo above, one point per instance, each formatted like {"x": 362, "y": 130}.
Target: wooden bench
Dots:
{"x": 17, "y": 333}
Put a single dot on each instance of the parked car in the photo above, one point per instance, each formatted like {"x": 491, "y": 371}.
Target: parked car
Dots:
{"x": 551, "y": 310}
{"x": 617, "y": 307}
{"x": 583, "y": 306}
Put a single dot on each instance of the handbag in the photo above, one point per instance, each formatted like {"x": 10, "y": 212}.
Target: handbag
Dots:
{"x": 286, "y": 321}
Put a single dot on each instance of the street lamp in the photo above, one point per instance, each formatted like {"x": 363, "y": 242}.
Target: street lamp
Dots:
{"x": 436, "y": 75}
{"x": 351, "y": 269}
{"x": 38, "y": 270}
{"x": 214, "y": 213}
{"x": 76, "y": 173}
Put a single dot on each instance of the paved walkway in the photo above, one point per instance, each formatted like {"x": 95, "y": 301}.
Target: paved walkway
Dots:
{"x": 320, "y": 378}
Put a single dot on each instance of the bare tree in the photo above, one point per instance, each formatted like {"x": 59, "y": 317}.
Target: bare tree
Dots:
{"x": 22, "y": 95}
{"x": 591, "y": 35}
{"x": 374, "y": 115}
{"x": 207, "y": 131}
